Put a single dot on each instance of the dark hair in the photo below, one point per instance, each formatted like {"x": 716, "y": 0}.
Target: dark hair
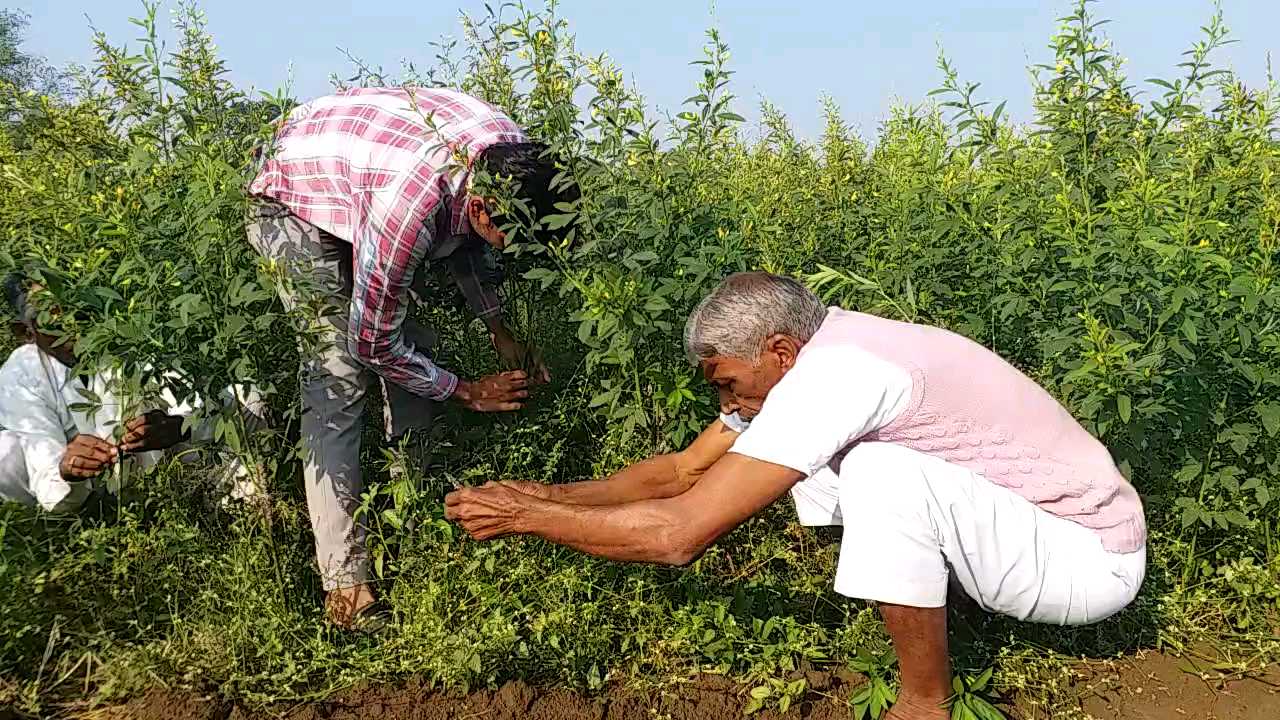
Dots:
{"x": 538, "y": 174}
{"x": 15, "y": 295}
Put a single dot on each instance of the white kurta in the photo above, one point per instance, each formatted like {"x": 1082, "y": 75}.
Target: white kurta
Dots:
{"x": 43, "y": 406}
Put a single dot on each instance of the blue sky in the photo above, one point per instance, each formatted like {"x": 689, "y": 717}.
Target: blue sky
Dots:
{"x": 866, "y": 55}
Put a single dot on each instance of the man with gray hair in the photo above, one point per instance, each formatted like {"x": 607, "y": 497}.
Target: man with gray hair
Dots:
{"x": 944, "y": 464}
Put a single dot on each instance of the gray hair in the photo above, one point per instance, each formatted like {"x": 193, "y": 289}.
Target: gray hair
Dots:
{"x": 745, "y": 310}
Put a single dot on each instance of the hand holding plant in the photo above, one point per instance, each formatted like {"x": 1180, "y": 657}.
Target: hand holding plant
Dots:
{"x": 155, "y": 430}
{"x": 85, "y": 457}
{"x": 494, "y": 393}
{"x": 489, "y": 511}
{"x": 517, "y": 355}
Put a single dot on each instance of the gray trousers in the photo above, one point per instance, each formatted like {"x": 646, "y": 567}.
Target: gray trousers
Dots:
{"x": 317, "y": 268}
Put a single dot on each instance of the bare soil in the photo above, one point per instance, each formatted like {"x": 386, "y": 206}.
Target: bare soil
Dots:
{"x": 1150, "y": 686}
{"x": 1163, "y": 687}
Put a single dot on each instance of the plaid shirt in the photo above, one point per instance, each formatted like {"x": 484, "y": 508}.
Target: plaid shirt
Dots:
{"x": 387, "y": 169}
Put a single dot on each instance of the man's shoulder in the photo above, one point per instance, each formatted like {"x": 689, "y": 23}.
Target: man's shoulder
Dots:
{"x": 21, "y": 362}
{"x": 29, "y": 369}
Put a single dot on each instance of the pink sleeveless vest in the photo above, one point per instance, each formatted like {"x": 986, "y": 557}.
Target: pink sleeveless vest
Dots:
{"x": 973, "y": 409}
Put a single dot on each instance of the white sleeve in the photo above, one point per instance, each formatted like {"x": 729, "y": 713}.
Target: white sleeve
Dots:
{"x": 833, "y": 396}
{"x": 30, "y": 408}
{"x": 45, "y": 481}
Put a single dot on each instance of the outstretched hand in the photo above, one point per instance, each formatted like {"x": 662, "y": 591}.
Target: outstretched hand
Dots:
{"x": 491, "y": 510}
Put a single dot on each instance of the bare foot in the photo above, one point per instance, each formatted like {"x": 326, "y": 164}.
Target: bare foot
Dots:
{"x": 344, "y": 605}
{"x": 912, "y": 709}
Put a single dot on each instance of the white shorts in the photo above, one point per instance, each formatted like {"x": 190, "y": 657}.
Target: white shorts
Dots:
{"x": 913, "y": 522}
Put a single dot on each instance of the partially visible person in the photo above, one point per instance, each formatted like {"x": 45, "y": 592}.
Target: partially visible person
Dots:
{"x": 63, "y": 445}
{"x": 360, "y": 193}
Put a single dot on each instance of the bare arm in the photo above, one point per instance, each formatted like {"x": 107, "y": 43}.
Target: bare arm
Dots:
{"x": 672, "y": 531}
{"x": 661, "y": 476}
{"x": 920, "y": 639}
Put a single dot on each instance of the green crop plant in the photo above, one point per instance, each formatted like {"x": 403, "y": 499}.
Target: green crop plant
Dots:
{"x": 1121, "y": 251}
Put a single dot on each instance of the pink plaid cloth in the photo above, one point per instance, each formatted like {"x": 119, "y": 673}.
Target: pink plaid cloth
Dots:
{"x": 373, "y": 166}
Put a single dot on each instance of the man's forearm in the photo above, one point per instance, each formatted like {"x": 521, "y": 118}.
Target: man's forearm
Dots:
{"x": 656, "y": 477}
{"x": 634, "y": 532}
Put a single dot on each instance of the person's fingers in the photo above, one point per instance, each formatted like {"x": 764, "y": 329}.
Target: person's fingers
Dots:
{"x": 78, "y": 473}
{"x": 484, "y": 529}
{"x": 138, "y": 434}
{"x": 515, "y": 375}
{"x": 503, "y": 383}
{"x": 86, "y": 465}
{"x": 459, "y": 496}
{"x": 100, "y": 456}
{"x": 469, "y": 512}
{"x": 136, "y": 423}
{"x": 507, "y": 406}
{"x": 91, "y": 450}
{"x": 92, "y": 442}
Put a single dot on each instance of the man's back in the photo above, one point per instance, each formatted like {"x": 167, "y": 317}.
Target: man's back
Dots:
{"x": 971, "y": 407}
{"x": 378, "y": 161}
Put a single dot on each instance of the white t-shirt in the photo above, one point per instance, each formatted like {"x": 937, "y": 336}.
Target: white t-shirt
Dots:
{"x": 833, "y": 396}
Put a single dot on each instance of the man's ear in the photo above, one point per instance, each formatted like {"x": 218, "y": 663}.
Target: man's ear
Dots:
{"x": 475, "y": 206}
{"x": 785, "y": 348}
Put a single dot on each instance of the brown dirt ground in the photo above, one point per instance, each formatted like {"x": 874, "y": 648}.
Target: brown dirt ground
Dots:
{"x": 1147, "y": 687}
{"x": 1162, "y": 687}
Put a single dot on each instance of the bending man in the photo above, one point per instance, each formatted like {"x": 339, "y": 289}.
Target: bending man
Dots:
{"x": 362, "y": 191}
{"x": 935, "y": 454}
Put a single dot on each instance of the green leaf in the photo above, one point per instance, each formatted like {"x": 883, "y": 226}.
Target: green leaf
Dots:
{"x": 1236, "y": 517}
{"x": 1189, "y": 330}
{"x": 1125, "y": 406}
{"x": 603, "y": 398}
{"x": 1269, "y": 414}
{"x": 981, "y": 683}
{"x": 656, "y": 304}
{"x": 1188, "y": 472}
{"x": 557, "y": 221}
